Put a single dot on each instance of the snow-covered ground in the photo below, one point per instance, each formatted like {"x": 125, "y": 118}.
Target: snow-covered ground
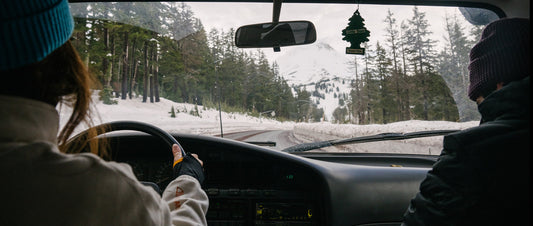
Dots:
{"x": 309, "y": 132}
{"x": 207, "y": 123}
{"x": 158, "y": 114}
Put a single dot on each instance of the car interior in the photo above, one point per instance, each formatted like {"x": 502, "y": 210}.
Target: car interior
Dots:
{"x": 250, "y": 184}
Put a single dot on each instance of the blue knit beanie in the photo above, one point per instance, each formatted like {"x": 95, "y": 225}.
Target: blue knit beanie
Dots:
{"x": 32, "y": 29}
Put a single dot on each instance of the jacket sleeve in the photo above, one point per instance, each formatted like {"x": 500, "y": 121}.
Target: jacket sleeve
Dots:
{"x": 446, "y": 193}
{"x": 187, "y": 201}
{"x": 183, "y": 202}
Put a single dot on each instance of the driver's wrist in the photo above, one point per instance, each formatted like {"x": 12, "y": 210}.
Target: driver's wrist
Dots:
{"x": 189, "y": 166}
{"x": 177, "y": 161}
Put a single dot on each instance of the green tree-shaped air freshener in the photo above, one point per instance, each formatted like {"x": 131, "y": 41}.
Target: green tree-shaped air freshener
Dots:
{"x": 355, "y": 33}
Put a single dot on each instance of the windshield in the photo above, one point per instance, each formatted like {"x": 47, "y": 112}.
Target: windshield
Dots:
{"x": 175, "y": 65}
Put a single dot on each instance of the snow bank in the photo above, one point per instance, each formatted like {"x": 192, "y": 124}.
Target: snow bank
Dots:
{"x": 310, "y": 132}
{"x": 350, "y": 130}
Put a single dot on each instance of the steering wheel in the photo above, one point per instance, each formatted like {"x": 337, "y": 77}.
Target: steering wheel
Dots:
{"x": 128, "y": 125}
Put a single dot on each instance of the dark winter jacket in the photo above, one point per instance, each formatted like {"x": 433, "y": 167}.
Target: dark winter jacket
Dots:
{"x": 482, "y": 174}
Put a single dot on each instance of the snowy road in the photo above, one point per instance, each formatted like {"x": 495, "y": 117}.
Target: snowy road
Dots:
{"x": 282, "y": 138}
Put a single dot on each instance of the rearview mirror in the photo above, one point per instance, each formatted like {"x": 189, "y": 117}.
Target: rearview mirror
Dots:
{"x": 275, "y": 35}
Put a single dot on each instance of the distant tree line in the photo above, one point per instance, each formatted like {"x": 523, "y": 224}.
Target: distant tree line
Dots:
{"x": 405, "y": 78}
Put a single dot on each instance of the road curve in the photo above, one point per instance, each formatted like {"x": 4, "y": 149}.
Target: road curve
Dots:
{"x": 281, "y": 138}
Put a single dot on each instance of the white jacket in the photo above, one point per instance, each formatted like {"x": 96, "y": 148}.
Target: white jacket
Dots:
{"x": 41, "y": 186}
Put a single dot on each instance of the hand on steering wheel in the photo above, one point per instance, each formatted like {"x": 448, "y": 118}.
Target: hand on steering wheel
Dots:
{"x": 176, "y": 151}
{"x": 189, "y": 165}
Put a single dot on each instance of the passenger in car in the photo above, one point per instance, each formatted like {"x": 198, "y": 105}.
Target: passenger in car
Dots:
{"x": 482, "y": 175}
{"x": 40, "y": 68}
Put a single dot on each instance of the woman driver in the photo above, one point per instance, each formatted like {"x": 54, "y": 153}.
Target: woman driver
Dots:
{"x": 40, "y": 68}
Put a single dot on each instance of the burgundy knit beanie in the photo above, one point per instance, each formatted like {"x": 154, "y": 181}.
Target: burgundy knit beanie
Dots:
{"x": 501, "y": 55}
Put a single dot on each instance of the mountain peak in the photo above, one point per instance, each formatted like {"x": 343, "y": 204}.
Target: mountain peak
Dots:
{"x": 311, "y": 63}
{"x": 317, "y": 65}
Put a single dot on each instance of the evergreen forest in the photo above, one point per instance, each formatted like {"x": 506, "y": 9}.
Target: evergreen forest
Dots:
{"x": 154, "y": 50}
{"x": 407, "y": 77}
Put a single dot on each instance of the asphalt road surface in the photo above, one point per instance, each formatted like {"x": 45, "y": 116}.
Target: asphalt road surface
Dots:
{"x": 274, "y": 139}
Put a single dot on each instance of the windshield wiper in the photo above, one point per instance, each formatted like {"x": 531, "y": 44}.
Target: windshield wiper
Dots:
{"x": 365, "y": 139}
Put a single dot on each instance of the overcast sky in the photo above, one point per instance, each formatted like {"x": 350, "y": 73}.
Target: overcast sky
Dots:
{"x": 329, "y": 19}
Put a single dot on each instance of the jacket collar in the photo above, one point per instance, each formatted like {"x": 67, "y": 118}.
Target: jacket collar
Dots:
{"x": 510, "y": 102}
{"x": 26, "y": 120}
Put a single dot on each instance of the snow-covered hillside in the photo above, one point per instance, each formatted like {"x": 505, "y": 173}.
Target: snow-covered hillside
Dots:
{"x": 324, "y": 73}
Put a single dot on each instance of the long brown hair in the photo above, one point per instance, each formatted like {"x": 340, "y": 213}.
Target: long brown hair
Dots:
{"x": 60, "y": 78}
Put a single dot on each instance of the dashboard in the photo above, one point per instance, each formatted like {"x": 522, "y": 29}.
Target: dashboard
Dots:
{"x": 253, "y": 185}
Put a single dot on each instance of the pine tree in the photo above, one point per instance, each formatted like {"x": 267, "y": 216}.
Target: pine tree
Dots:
{"x": 453, "y": 65}
{"x": 106, "y": 96}
{"x": 407, "y": 86}
{"x": 370, "y": 89}
{"x": 384, "y": 100}
{"x": 421, "y": 48}
{"x": 146, "y": 71}
{"x": 392, "y": 39}
{"x": 172, "y": 112}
